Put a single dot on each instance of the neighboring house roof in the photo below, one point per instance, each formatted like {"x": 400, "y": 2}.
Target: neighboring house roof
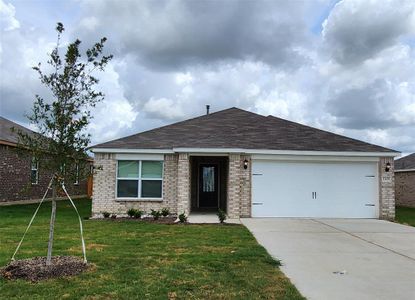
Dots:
{"x": 237, "y": 128}
{"x": 7, "y": 136}
{"x": 405, "y": 163}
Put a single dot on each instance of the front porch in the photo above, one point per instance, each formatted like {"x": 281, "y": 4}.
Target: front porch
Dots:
{"x": 209, "y": 179}
{"x": 207, "y": 182}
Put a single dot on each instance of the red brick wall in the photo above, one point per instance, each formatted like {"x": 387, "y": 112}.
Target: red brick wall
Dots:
{"x": 405, "y": 188}
{"x": 15, "y": 178}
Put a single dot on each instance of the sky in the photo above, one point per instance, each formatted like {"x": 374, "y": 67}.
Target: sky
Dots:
{"x": 343, "y": 66}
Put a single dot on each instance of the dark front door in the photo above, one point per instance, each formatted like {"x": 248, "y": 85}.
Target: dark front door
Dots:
{"x": 208, "y": 185}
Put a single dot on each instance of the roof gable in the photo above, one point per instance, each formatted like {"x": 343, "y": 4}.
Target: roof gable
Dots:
{"x": 237, "y": 128}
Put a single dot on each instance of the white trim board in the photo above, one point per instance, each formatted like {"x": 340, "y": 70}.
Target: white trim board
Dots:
{"x": 119, "y": 150}
{"x": 138, "y": 156}
{"x": 316, "y": 158}
{"x": 404, "y": 170}
{"x": 247, "y": 151}
{"x": 286, "y": 152}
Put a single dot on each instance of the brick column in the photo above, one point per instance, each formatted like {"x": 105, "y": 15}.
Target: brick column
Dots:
{"x": 245, "y": 184}
{"x": 170, "y": 182}
{"x": 234, "y": 189}
{"x": 183, "y": 184}
{"x": 386, "y": 189}
{"x": 103, "y": 190}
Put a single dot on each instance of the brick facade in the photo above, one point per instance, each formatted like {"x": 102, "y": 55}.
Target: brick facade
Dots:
{"x": 405, "y": 188}
{"x": 234, "y": 190}
{"x": 177, "y": 187}
{"x": 386, "y": 189}
{"x": 104, "y": 198}
{"x": 239, "y": 186}
{"x": 183, "y": 184}
{"x": 15, "y": 185}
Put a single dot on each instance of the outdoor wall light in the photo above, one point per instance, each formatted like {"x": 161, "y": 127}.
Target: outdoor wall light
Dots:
{"x": 245, "y": 164}
{"x": 388, "y": 167}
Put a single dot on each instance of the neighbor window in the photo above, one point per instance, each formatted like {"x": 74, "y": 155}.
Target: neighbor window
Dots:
{"x": 76, "y": 182}
{"x": 139, "y": 179}
{"x": 34, "y": 172}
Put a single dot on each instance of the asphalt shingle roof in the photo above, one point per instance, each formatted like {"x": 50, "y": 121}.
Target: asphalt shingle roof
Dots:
{"x": 7, "y": 135}
{"x": 237, "y": 128}
{"x": 405, "y": 163}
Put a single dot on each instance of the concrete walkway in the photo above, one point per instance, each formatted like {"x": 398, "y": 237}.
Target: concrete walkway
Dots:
{"x": 342, "y": 258}
{"x": 208, "y": 218}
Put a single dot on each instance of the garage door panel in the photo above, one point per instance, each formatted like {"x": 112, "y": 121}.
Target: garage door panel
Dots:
{"x": 293, "y": 189}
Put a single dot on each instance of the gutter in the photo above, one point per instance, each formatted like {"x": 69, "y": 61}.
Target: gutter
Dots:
{"x": 246, "y": 151}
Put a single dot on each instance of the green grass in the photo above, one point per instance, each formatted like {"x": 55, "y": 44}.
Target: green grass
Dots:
{"x": 136, "y": 260}
{"x": 405, "y": 215}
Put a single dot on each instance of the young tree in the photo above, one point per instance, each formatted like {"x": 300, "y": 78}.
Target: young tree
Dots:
{"x": 62, "y": 120}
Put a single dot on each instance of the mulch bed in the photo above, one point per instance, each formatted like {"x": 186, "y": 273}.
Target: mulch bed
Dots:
{"x": 161, "y": 220}
{"x": 35, "y": 269}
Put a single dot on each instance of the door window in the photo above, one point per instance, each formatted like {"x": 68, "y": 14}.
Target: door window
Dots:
{"x": 208, "y": 179}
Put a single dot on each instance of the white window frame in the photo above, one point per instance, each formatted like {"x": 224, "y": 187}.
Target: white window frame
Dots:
{"x": 76, "y": 182}
{"x": 34, "y": 160}
{"x": 139, "y": 179}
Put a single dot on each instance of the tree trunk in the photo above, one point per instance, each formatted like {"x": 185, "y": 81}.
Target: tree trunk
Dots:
{"x": 52, "y": 226}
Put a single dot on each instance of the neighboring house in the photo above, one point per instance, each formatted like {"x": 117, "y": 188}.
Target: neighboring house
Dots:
{"x": 405, "y": 181}
{"x": 248, "y": 165}
{"x": 21, "y": 175}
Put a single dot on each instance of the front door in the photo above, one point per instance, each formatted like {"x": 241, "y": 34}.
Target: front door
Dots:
{"x": 208, "y": 185}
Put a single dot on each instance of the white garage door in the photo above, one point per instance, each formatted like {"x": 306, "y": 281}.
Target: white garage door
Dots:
{"x": 321, "y": 190}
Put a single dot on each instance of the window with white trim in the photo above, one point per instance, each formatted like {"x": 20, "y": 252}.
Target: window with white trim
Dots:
{"x": 76, "y": 182}
{"x": 34, "y": 171}
{"x": 141, "y": 179}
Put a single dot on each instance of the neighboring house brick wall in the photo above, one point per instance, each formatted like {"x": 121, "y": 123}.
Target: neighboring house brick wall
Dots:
{"x": 15, "y": 185}
{"x": 405, "y": 188}
{"x": 386, "y": 189}
{"x": 104, "y": 198}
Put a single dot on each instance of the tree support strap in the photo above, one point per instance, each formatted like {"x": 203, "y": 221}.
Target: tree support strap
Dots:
{"x": 80, "y": 222}
{"x": 37, "y": 209}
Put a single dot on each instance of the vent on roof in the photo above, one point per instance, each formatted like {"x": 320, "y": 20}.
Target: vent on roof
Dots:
{"x": 207, "y": 109}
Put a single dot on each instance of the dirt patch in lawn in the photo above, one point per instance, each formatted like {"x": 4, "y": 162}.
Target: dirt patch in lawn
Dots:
{"x": 35, "y": 269}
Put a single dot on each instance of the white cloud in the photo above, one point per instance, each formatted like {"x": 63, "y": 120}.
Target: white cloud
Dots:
{"x": 8, "y": 20}
{"x": 116, "y": 113}
{"x": 173, "y": 57}
{"x": 356, "y": 30}
{"x": 184, "y": 78}
{"x": 163, "y": 108}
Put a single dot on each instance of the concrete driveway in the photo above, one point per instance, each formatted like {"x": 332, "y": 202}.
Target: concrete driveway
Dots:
{"x": 377, "y": 257}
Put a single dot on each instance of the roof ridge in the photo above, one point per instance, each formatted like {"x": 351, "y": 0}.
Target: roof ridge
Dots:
{"x": 169, "y": 125}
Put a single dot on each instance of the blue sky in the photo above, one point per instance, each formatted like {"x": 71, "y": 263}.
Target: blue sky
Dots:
{"x": 343, "y": 66}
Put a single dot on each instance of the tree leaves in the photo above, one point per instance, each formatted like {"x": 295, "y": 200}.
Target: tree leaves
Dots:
{"x": 62, "y": 120}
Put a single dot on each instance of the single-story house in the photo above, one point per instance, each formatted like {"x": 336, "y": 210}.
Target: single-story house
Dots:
{"x": 21, "y": 175}
{"x": 405, "y": 181}
{"x": 248, "y": 165}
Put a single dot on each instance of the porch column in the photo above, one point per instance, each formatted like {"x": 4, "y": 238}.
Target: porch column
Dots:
{"x": 386, "y": 189}
{"x": 234, "y": 189}
{"x": 183, "y": 184}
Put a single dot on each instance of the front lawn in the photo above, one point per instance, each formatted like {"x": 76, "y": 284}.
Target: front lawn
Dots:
{"x": 405, "y": 215}
{"x": 136, "y": 260}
